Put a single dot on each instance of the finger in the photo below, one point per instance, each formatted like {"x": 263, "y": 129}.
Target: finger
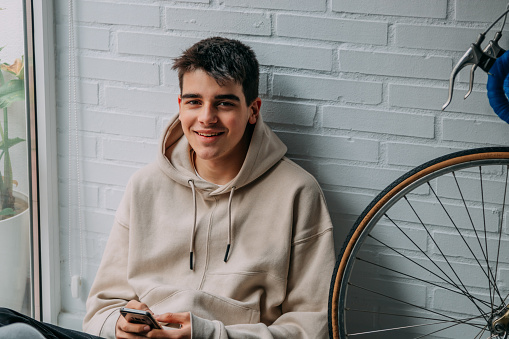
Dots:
{"x": 137, "y": 305}
{"x": 134, "y": 328}
{"x": 176, "y": 318}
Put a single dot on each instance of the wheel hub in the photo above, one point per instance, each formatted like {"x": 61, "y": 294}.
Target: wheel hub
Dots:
{"x": 499, "y": 322}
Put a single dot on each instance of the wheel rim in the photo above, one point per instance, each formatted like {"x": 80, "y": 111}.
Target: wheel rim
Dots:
{"x": 388, "y": 292}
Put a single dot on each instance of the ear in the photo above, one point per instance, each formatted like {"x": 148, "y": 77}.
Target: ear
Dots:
{"x": 180, "y": 101}
{"x": 254, "y": 110}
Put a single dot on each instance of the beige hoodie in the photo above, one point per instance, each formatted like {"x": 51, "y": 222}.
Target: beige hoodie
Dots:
{"x": 273, "y": 218}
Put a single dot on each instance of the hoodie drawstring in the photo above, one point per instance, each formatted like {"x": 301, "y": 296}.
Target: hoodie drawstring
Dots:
{"x": 191, "y": 250}
{"x": 228, "y": 246}
{"x": 229, "y": 225}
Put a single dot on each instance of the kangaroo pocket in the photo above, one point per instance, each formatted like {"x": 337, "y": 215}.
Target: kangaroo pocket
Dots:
{"x": 202, "y": 304}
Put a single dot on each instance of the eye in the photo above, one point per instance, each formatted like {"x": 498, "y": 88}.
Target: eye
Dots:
{"x": 192, "y": 102}
{"x": 226, "y": 104}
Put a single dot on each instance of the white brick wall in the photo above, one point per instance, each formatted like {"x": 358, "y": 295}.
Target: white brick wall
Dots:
{"x": 354, "y": 87}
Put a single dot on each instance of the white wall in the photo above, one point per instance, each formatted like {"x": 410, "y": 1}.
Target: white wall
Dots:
{"x": 354, "y": 88}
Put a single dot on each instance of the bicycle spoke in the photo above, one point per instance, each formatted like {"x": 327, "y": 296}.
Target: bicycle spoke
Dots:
{"x": 460, "y": 292}
{"x": 411, "y": 266}
{"x": 451, "y": 281}
{"x": 492, "y": 298}
{"x": 469, "y": 216}
{"x": 414, "y": 316}
{"x": 501, "y": 223}
{"x": 440, "y": 250}
{"x": 406, "y": 303}
{"x": 492, "y": 283}
{"x": 481, "y": 332}
{"x": 404, "y": 328}
{"x": 437, "y": 331}
{"x": 464, "y": 292}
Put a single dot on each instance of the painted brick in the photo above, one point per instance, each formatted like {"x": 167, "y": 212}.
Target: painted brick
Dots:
{"x": 107, "y": 173}
{"x": 342, "y": 30}
{"x": 493, "y": 190}
{"x": 434, "y": 98}
{"x": 85, "y": 37}
{"x": 331, "y": 147}
{"x": 392, "y": 64}
{"x": 413, "y": 155}
{"x": 86, "y": 93}
{"x": 118, "y": 14}
{"x": 292, "y": 86}
{"x": 352, "y": 176}
{"x": 288, "y": 113}
{"x": 89, "y": 194}
{"x": 296, "y": 5}
{"x": 87, "y": 144}
{"x": 170, "y": 78}
{"x": 431, "y": 212}
{"x": 414, "y": 8}
{"x": 99, "y": 222}
{"x": 293, "y": 56}
{"x": 386, "y": 232}
{"x": 476, "y": 131}
{"x": 153, "y": 44}
{"x": 264, "y": 83}
{"x": 112, "y": 198}
{"x": 112, "y": 69}
{"x": 378, "y": 121}
{"x": 475, "y": 10}
{"x": 133, "y": 151}
{"x": 347, "y": 202}
{"x": 480, "y": 77}
{"x": 451, "y": 244}
{"x": 435, "y": 37}
{"x": 141, "y": 100}
{"x": 218, "y": 21}
{"x": 119, "y": 124}
{"x": 443, "y": 301}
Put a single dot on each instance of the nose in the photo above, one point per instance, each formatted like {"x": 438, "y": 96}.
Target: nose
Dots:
{"x": 208, "y": 114}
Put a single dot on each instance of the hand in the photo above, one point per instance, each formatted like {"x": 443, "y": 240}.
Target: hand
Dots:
{"x": 127, "y": 330}
{"x": 184, "y": 332}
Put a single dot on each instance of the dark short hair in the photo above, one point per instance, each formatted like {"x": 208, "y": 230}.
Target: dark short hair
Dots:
{"x": 224, "y": 60}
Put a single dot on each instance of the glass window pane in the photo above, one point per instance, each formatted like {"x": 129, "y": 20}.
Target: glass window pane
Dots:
{"x": 15, "y": 251}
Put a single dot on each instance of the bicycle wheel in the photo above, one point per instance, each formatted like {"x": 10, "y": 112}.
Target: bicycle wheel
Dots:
{"x": 429, "y": 257}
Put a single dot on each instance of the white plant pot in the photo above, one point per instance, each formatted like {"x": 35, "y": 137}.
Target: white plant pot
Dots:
{"x": 14, "y": 258}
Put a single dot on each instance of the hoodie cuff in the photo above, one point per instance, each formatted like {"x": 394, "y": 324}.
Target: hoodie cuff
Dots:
{"x": 206, "y": 329}
{"x": 109, "y": 326}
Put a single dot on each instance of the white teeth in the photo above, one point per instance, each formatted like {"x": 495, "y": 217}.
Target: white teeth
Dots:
{"x": 208, "y": 134}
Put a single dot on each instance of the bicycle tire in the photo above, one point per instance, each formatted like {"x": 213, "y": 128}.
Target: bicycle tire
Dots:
{"x": 366, "y": 222}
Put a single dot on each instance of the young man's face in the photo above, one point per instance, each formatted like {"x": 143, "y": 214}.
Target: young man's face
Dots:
{"x": 214, "y": 118}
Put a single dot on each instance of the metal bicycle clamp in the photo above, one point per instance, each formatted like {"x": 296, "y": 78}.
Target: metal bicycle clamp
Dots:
{"x": 477, "y": 57}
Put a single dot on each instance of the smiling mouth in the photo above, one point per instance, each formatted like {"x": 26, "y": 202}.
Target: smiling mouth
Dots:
{"x": 209, "y": 134}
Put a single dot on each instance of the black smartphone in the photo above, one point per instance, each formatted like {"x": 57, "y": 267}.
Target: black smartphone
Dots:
{"x": 139, "y": 317}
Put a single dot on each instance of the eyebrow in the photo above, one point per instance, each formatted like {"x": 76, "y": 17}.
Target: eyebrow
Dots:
{"x": 217, "y": 97}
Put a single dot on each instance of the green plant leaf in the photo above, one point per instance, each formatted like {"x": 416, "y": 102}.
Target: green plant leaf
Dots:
{"x": 7, "y": 211}
{"x": 12, "y": 91}
{"x": 10, "y": 143}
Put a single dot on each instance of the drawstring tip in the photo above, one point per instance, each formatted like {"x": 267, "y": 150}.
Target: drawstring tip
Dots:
{"x": 227, "y": 252}
{"x": 191, "y": 260}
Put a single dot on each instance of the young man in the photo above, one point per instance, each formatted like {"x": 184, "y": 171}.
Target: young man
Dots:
{"x": 223, "y": 235}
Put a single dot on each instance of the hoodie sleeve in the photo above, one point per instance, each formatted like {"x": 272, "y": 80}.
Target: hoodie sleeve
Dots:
{"x": 311, "y": 264}
{"x": 110, "y": 290}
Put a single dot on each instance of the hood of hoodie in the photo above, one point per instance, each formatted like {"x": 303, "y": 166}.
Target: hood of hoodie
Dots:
{"x": 265, "y": 150}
